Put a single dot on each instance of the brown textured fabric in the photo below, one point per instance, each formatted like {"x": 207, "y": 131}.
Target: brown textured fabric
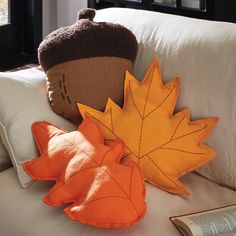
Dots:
{"x": 86, "y": 63}
{"x": 86, "y": 39}
{"x": 89, "y": 81}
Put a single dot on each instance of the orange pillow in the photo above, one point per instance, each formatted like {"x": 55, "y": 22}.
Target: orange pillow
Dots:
{"x": 165, "y": 145}
{"x": 104, "y": 193}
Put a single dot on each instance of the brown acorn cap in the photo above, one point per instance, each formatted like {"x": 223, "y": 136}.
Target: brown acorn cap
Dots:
{"x": 86, "y": 39}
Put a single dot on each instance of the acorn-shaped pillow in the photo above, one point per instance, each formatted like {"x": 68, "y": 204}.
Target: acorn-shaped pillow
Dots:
{"x": 86, "y": 63}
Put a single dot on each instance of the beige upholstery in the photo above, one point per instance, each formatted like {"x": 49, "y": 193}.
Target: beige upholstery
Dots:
{"x": 22, "y": 213}
{"x": 5, "y": 161}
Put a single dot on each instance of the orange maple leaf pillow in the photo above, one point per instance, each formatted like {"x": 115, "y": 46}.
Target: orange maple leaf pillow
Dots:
{"x": 165, "y": 145}
{"x": 104, "y": 193}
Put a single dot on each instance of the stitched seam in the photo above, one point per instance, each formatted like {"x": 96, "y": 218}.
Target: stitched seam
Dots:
{"x": 190, "y": 133}
{"x": 98, "y": 166}
{"x": 55, "y": 189}
{"x": 127, "y": 196}
{"x": 162, "y": 145}
{"x": 60, "y": 86}
{"x": 161, "y": 102}
{"x": 68, "y": 99}
{"x": 142, "y": 121}
{"x": 111, "y": 133}
{"x": 88, "y": 168}
{"x": 106, "y": 197}
{"x": 71, "y": 145}
{"x": 167, "y": 176}
{"x": 92, "y": 160}
{"x": 63, "y": 89}
{"x": 112, "y": 127}
{"x": 147, "y": 95}
{"x": 103, "y": 157}
{"x": 63, "y": 97}
{"x": 172, "y": 136}
{"x": 109, "y": 140}
{"x": 126, "y": 155}
{"x": 130, "y": 182}
{"x": 134, "y": 206}
{"x": 133, "y": 100}
{"x": 140, "y": 138}
{"x": 180, "y": 150}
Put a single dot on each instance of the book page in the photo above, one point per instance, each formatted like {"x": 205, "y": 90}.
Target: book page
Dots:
{"x": 219, "y": 222}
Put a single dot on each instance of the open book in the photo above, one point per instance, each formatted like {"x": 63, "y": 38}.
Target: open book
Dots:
{"x": 219, "y": 222}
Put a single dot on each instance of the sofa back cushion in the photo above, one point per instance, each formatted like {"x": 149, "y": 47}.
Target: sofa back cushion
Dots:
{"x": 203, "y": 54}
{"x": 5, "y": 161}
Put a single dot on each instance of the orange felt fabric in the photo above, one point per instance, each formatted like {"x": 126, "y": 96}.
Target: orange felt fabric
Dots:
{"x": 164, "y": 145}
{"x": 104, "y": 193}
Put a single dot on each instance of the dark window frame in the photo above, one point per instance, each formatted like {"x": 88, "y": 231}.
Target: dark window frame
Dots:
{"x": 28, "y": 28}
{"x": 218, "y": 10}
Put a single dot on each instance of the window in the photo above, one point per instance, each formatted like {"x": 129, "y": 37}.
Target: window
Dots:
{"x": 20, "y": 32}
{"x": 3, "y": 12}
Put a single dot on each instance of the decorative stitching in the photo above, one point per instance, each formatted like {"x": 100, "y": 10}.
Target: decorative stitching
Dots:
{"x": 103, "y": 157}
{"x": 171, "y": 138}
{"x": 109, "y": 140}
{"x": 68, "y": 99}
{"x": 179, "y": 150}
{"x": 160, "y": 103}
{"x": 106, "y": 197}
{"x": 63, "y": 89}
{"x": 111, "y": 132}
{"x": 72, "y": 145}
{"x": 140, "y": 138}
{"x": 133, "y": 100}
{"x": 147, "y": 96}
{"x": 62, "y": 95}
{"x": 112, "y": 127}
{"x": 126, "y": 155}
{"x": 128, "y": 197}
{"x": 163, "y": 172}
{"x": 130, "y": 181}
{"x": 162, "y": 145}
{"x": 141, "y": 127}
{"x": 144, "y": 109}
{"x": 190, "y": 133}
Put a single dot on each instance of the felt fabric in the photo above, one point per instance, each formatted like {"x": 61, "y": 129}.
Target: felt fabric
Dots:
{"x": 165, "y": 145}
{"x": 86, "y": 39}
{"x": 86, "y": 62}
{"x": 90, "y": 81}
{"x": 104, "y": 193}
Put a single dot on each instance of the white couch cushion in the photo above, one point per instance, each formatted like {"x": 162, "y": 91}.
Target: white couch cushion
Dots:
{"x": 5, "y": 160}
{"x": 22, "y": 211}
{"x": 23, "y": 100}
{"x": 203, "y": 54}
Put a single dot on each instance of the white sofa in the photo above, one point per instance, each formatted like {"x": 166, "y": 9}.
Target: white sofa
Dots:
{"x": 203, "y": 53}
